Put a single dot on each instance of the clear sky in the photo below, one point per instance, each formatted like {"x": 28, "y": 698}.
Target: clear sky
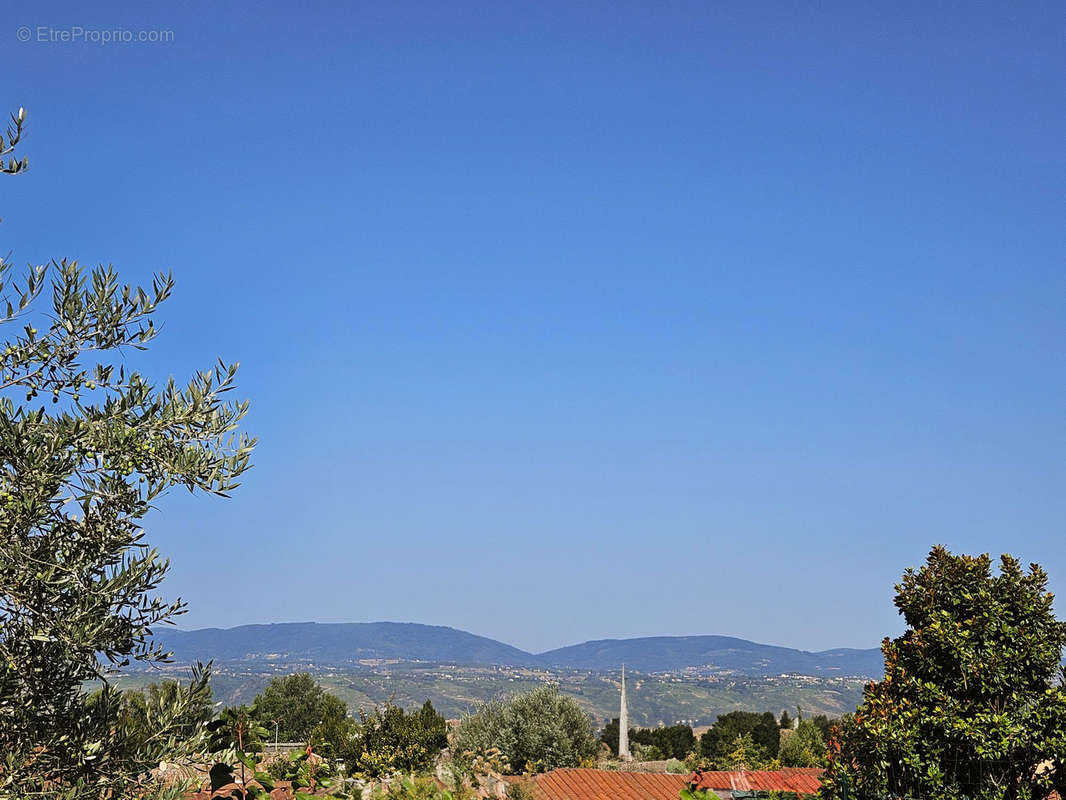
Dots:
{"x": 575, "y": 320}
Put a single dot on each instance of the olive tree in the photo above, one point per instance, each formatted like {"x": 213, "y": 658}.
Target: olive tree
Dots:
{"x": 10, "y": 141}
{"x": 536, "y": 731}
{"x": 87, "y": 448}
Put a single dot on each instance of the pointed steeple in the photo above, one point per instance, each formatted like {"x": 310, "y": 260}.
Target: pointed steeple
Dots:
{"x": 623, "y": 724}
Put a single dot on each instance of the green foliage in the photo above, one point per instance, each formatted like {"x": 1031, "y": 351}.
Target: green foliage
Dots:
{"x": 646, "y": 752}
{"x": 335, "y": 729}
{"x": 241, "y": 775}
{"x": 86, "y": 449}
{"x": 296, "y": 705}
{"x": 389, "y": 741}
{"x": 237, "y": 729}
{"x": 8, "y": 143}
{"x": 803, "y": 747}
{"x": 431, "y": 727}
{"x": 786, "y": 720}
{"x": 237, "y": 738}
{"x": 409, "y": 788}
{"x": 972, "y": 704}
{"x": 305, "y": 769}
{"x": 825, "y": 725}
{"x": 660, "y": 697}
{"x": 141, "y": 710}
{"x": 535, "y": 731}
{"x": 672, "y": 741}
{"x": 133, "y": 734}
{"x": 720, "y": 739}
{"x": 743, "y": 752}
{"x": 609, "y": 735}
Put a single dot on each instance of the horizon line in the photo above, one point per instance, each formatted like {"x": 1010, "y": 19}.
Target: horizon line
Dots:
{"x": 521, "y": 650}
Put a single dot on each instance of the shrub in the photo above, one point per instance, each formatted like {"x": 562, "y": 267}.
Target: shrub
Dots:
{"x": 389, "y": 740}
{"x": 804, "y": 747}
{"x": 535, "y": 732}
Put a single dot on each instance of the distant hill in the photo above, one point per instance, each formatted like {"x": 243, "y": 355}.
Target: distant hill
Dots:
{"x": 338, "y": 643}
{"x": 712, "y": 655}
{"x": 345, "y": 643}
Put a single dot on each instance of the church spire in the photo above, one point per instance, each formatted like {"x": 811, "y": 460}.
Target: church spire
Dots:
{"x": 623, "y": 724}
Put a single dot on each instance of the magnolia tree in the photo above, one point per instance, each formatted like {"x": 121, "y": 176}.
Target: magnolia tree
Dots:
{"x": 87, "y": 447}
{"x": 973, "y": 703}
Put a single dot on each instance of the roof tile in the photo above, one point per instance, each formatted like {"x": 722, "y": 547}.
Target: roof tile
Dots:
{"x": 598, "y": 784}
{"x": 798, "y": 780}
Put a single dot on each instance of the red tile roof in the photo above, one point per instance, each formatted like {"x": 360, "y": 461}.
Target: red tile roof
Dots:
{"x": 601, "y": 784}
{"x": 798, "y": 780}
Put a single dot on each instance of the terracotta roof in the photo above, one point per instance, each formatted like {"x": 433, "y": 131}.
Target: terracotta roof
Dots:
{"x": 601, "y": 784}
{"x": 798, "y": 780}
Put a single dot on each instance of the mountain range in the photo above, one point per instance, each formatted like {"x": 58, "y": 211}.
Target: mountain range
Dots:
{"x": 349, "y": 644}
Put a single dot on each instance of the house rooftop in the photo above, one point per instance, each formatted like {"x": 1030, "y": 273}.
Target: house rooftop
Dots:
{"x": 599, "y": 784}
{"x": 803, "y": 781}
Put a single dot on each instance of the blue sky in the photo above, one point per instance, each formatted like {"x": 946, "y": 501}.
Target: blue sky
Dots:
{"x": 580, "y": 320}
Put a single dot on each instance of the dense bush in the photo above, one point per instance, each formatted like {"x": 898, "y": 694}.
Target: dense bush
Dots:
{"x": 535, "y": 732}
{"x": 803, "y": 747}
{"x": 293, "y": 706}
{"x": 742, "y": 752}
{"x": 389, "y": 740}
{"x": 408, "y": 788}
{"x": 670, "y": 741}
{"x": 720, "y": 739}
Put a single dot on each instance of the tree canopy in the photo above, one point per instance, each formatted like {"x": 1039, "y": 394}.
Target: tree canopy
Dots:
{"x": 972, "y": 704}
{"x": 389, "y": 740}
{"x": 141, "y": 707}
{"x": 87, "y": 447}
{"x": 671, "y": 741}
{"x": 294, "y": 705}
{"x": 763, "y": 729}
{"x": 609, "y": 735}
{"x": 536, "y": 731}
{"x": 803, "y": 747}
